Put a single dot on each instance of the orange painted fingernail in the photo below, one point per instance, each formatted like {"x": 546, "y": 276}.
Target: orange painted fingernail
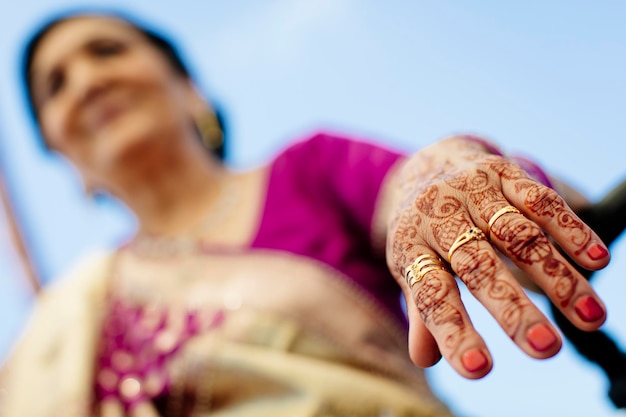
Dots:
{"x": 474, "y": 360}
{"x": 588, "y": 309}
{"x": 597, "y": 251}
{"x": 541, "y": 337}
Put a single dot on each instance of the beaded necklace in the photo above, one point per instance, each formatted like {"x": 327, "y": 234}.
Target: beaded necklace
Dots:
{"x": 140, "y": 341}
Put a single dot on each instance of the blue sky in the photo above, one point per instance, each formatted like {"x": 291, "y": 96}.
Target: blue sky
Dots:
{"x": 545, "y": 79}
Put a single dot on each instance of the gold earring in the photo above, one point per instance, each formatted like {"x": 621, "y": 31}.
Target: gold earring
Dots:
{"x": 210, "y": 130}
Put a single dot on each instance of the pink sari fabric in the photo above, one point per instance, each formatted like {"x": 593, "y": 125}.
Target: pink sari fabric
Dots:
{"x": 321, "y": 199}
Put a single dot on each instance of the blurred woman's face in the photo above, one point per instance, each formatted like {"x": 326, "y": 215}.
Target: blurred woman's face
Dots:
{"x": 103, "y": 92}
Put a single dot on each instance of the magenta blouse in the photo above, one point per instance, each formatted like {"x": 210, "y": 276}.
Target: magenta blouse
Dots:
{"x": 320, "y": 202}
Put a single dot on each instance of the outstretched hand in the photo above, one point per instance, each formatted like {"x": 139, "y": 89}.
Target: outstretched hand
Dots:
{"x": 460, "y": 208}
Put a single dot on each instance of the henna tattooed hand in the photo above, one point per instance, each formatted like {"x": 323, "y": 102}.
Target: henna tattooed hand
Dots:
{"x": 457, "y": 184}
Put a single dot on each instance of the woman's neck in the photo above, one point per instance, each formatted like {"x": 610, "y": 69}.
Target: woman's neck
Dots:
{"x": 172, "y": 190}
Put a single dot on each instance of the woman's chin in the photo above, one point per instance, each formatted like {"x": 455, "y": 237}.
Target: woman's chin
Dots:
{"x": 134, "y": 153}
{"x": 128, "y": 142}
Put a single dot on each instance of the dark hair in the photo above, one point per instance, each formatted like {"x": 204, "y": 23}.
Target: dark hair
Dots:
{"x": 158, "y": 40}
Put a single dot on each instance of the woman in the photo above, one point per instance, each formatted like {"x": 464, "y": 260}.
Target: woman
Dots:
{"x": 273, "y": 291}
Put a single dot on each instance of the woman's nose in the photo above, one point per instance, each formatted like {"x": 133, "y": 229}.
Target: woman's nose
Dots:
{"x": 86, "y": 80}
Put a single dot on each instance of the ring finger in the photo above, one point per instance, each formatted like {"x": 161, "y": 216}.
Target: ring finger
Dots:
{"x": 524, "y": 242}
{"x": 437, "y": 300}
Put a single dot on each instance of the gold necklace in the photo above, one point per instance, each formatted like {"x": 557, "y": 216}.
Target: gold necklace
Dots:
{"x": 188, "y": 241}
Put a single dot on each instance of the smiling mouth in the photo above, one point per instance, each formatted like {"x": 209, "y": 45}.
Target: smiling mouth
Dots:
{"x": 104, "y": 112}
{"x": 106, "y": 116}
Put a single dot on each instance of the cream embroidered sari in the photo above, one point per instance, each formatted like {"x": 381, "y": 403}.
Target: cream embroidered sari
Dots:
{"x": 296, "y": 340}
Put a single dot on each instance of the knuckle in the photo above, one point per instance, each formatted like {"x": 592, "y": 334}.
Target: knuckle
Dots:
{"x": 476, "y": 268}
{"x": 542, "y": 200}
{"x": 430, "y": 296}
{"x": 563, "y": 281}
{"x": 526, "y": 242}
{"x": 511, "y": 305}
{"x": 435, "y": 301}
{"x": 403, "y": 243}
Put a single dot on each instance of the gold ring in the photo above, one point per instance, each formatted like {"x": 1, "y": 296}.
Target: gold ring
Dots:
{"x": 422, "y": 265}
{"x": 474, "y": 233}
{"x": 498, "y": 214}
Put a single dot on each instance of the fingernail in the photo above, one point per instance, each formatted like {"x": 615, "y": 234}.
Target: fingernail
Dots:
{"x": 597, "y": 251}
{"x": 474, "y": 360}
{"x": 588, "y": 309}
{"x": 541, "y": 337}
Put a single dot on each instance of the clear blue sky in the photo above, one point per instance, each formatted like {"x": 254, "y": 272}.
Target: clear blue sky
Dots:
{"x": 544, "y": 78}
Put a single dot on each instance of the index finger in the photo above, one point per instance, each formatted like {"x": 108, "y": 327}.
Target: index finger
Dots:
{"x": 548, "y": 209}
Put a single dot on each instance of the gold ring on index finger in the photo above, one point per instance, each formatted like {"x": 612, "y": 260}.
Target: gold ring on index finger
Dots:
{"x": 473, "y": 233}
{"x": 504, "y": 210}
{"x": 422, "y": 265}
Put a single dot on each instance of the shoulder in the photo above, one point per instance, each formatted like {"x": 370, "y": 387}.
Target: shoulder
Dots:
{"x": 324, "y": 145}
{"x": 85, "y": 275}
{"x": 84, "y": 284}
{"x": 57, "y": 338}
{"x": 331, "y": 139}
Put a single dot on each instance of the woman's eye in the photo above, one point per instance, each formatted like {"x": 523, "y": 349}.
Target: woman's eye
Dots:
{"x": 106, "y": 48}
{"x": 55, "y": 83}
